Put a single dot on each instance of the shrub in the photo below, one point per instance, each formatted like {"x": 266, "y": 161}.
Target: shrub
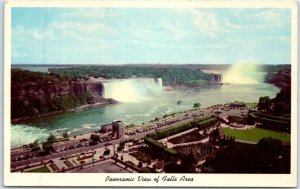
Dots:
{"x": 106, "y": 152}
{"x": 153, "y": 143}
{"x": 140, "y": 165}
{"x": 120, "y": 148}
{"x": 146, "y": 170}
{"x": 65, "y": 135}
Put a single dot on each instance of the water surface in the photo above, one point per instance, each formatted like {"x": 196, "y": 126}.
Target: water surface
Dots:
{"x": 137, "y": 112}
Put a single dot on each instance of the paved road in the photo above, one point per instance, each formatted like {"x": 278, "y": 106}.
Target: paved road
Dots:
{"x": 171, "y": 121}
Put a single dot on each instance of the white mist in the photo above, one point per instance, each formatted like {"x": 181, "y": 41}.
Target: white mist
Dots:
{"x": 244, "y": 73}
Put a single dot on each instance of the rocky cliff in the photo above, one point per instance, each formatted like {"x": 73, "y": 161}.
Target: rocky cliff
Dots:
{"x": 35, "y": 99}
{"x": 54, "y": 89}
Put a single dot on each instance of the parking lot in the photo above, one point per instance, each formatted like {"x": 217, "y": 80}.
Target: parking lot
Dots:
{"x": 83, "y": 143}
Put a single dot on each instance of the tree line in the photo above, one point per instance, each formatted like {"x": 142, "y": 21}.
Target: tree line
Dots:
{"x": 169, "y": 75}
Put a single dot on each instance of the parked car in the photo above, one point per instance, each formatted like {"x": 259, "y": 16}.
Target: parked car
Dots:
{"x": 20, "y": 158}
{"x": 14, "y": 159}
{"x": 107, "y": 144}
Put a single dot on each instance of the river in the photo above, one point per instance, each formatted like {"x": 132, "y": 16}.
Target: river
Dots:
{"x": 142, "y": 110}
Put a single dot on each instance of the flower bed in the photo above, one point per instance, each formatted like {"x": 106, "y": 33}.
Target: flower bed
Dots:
{"x": 54, "y": 167}
{"x": 74, "y": 162}
{"x": 146, "y": 154}
{"x": 199, "y": 151}
{"x": 82, "y": 162}
{"x": 188, "y": 137}
{"x": 69, "y": 164}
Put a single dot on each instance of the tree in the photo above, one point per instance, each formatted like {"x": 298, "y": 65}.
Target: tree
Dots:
{"x": 33, "y": 111}
{"x": 280, "y": 108}
{"x": 106, "y": 152}
{"x": 271, "y": 145}
{"x": 95, "y": 138}
{"x": 197, "y": 105}
{"x": 52, "y": 138}
{"x": 264, "y": 103}
{"x": 47, "y": 146}
{"x": 36, "y": 142}
{"x": 189, "y": 162}
{"x": 65, "y": 134}
{"x": 120, "y": 147}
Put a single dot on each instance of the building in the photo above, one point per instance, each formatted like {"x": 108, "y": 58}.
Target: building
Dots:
{"x": 225, "y": 120}
{"x": 117, "y": 128}
{"x": 237, "y": 105}
{"x": 106, "y": 128}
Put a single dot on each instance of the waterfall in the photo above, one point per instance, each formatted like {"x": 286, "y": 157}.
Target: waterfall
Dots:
{"x": 132, "y": 90}
{"x": 216, "y": 78}
{"x": 244, "y": 73}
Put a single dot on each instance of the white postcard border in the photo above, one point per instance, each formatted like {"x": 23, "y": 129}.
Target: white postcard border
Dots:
{"x": 98, "y": 179}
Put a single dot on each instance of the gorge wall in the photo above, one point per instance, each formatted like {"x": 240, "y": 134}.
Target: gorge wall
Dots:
{"x": 51, "y": 90}
{"x": 31, "y": 99}
{"x": 35, "y": 99}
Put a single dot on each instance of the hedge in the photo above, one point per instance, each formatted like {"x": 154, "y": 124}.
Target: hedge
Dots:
{"x": 269, "y": 117}
{"x": 286, "y": 119}
{"x": 173, "y": 130}
{"x": 201, "y": 123}
{"x": 153, "y": 143}
{"x": 206, "y": 123}
{"x": 271, "y": 122}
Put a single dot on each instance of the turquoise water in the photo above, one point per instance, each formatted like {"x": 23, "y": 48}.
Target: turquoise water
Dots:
{"x": 137, "y": 112}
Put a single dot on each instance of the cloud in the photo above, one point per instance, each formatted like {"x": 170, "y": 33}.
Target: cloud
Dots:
{"x": 88, "y": 13}
{"x": 75, "y": 32}
{"x": 230, "y": 26}
{"x": 212, "y": 24}
{"x": 207, "y": 23}
{"x": 274, "y": 17}
{"x": 285, "y": 39}
{"x": 85, "y": 29}
{"x": 175, "y": 30}
{"x": 105, "y": 34}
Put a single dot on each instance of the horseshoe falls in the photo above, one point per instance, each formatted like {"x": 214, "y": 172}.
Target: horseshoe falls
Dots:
{"x": 133, "y": 89}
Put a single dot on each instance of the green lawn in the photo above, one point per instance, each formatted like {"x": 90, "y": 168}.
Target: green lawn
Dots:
{"x": 39, "y": 170}
{"x": 255, "y": 134}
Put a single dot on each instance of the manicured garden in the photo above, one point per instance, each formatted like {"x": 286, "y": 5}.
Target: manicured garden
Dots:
{"x": 54, "y": 167}
{"x": 39, "y": 170}
{"x": 255, "y": 134}
{"x": 159, "y": 146}
{"x": 188, "y": 137}
{"x": 69, "y": 164}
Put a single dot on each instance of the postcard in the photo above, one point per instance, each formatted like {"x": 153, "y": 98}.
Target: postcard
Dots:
{"x": 150, "y": 93}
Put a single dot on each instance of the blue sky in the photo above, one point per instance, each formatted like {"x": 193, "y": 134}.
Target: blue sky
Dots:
{"x": 158, "y": 35}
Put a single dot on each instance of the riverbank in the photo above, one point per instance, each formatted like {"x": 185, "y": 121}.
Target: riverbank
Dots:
{"x": 79, "y": 108}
